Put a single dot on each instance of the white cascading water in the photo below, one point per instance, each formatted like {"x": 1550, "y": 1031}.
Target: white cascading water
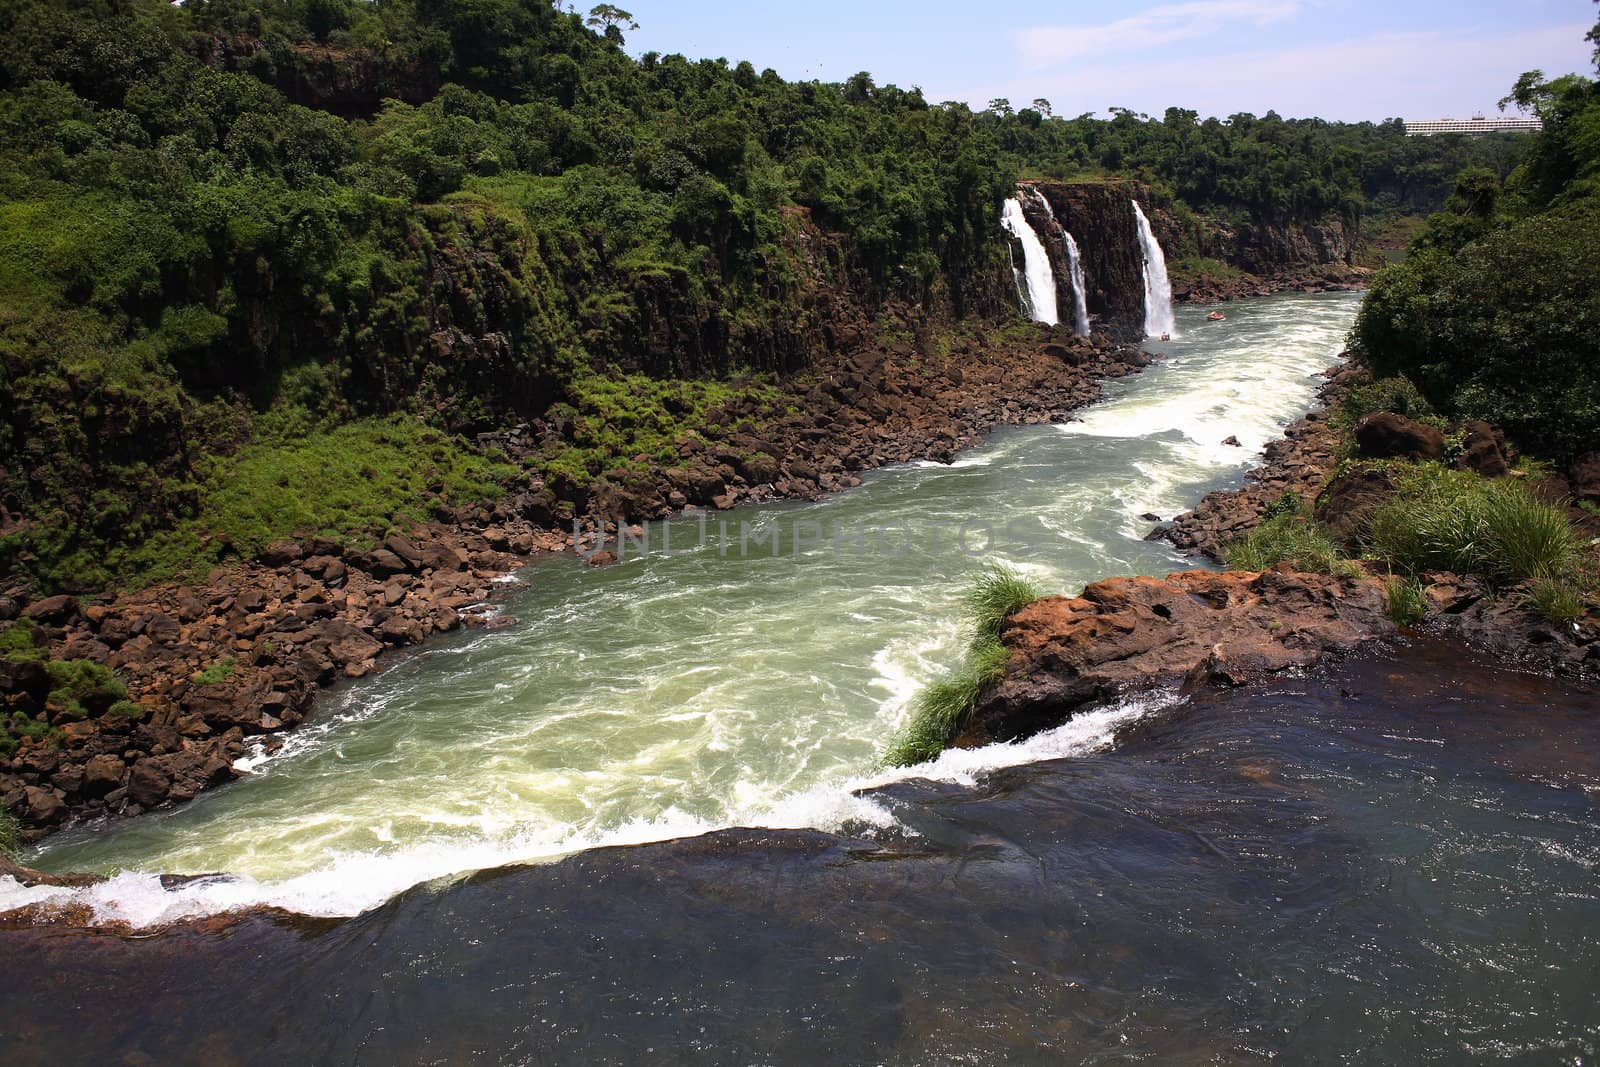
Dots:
{"x": 713, "y": 688}
{"x": 1080, "y": 303}
{"x": 1041, "y": 279}
{"x": 1158, "y": 320}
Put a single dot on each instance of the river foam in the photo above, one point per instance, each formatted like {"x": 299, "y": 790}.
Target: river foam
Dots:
{"x": 713, "y": 688}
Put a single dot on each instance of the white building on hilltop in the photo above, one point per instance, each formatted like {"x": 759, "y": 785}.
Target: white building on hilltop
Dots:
{"x": 1477, "y": 125}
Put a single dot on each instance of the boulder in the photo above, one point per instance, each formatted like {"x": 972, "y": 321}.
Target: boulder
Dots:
{"x": 1586, "y": 478}
{"x": 281, "y": 554}
{"x": 24, "y": 676}
{"x": 382, "y": 563}
{"x": 44, "y": 807}
{"x": 149, "y": 783}
{"x": 443, "y": 557}
{"x": 1350, "y": 500}
{"x": 54, "y": 610}
{"x": 1387, "y": 435}
{"x": 1481, "y": 451}
{"x": 1126, "y": 634}
{"x": 405, "y": 548}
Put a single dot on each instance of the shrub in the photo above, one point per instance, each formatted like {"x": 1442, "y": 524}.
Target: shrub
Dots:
{"x": 1292, "y": 538}
{"x": 10, "y": 833}
{"x": 1503, "y": 330}
{"x": 1441, "y": 519}
{"x": 219, "y": 671}
{"x": 81, "y": 688}
{"x": 1387, "y": 394}
{"x": 20, "y": 641}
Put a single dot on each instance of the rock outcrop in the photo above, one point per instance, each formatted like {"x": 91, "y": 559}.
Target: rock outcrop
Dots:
{"x": 1099, "y": 215}
{"x": 1197, "y": 627}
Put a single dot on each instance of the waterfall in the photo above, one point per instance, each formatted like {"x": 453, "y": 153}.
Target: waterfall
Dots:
{"x": 1158, "y": 319}
{"x": 1041, "y": 304}
{"x": 1080, "y": 303}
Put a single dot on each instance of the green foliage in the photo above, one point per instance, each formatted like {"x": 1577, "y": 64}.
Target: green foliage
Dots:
{"x": 1557, "y": 600}
{"x": 82, "y": 689}
{"x": 943, "y": 706}
{"x": 352, "y": 481}
{"x": 1503, "y": 331}
{"x": 1407, "y": 602}
{"x": 1288, "y": 536}
{"x": 10, "y": 834}
{"x": 1386, "y": 394}
{"x": 997, "y": 594}
{"x": 1495, "y": 315}
{"x": 492, "y": 207}
{"x": 1448, "y": 520}
{"x": 220, "y": 671}
{"x": 20, "y": 641}
{"x": 629, "y": 420}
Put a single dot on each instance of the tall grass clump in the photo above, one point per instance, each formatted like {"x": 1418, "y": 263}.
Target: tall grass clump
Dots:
{"x": 1559, "y": 601}
{"x": 1289, "y": 536}
{"x": 943, "y": 706}
{"x": 1406, "y": 601}
{"x": 1448, "y": 520}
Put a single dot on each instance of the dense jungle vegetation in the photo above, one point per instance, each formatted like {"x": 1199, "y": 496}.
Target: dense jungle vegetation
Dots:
{"x": 1496, "y": 314}
{"x": 231, "y": 227}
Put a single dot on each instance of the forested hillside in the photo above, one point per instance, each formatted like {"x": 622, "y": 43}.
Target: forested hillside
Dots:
{"x": 1496, "y": 315}
{"x": 232, "y": 227}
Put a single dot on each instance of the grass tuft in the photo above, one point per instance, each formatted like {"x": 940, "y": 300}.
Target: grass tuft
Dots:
{"x": 942, "y": 707}
{"x": 10, "y": 834}
{"x": 1447, "y": 520}
{"x": 1407, "y": 602}
{"x": 1289, "y": 536}
{"x": 1556, "y": 600}
{"x": 997, "y": 594}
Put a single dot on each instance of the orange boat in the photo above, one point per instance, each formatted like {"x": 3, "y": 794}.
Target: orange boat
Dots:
{"x": 1216, "y": 316}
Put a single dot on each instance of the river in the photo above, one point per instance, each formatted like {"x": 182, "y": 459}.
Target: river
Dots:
{"x": 721, "y": 678}
{"x": 1388, "y": 859}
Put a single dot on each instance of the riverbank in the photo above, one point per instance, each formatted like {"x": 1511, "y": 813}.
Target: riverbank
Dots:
{"x": 215, "y": 672}
{"x": 1207, "y": 288}
{"x": 1202, "y": 629}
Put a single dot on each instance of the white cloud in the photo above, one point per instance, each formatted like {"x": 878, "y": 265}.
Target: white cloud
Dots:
{"x": 1409, "y": 75}
{"x": 1045, "y": 46}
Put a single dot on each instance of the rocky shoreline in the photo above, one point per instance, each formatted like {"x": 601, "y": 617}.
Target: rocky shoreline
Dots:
{"x": 213, "y": 671}
{"x": 1207, "y": 289}
{"x": 1230, "y": 628}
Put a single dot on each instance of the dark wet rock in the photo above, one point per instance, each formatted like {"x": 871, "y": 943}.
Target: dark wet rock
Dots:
{"x": 1586, "y": 478}
{"x": 1387, "y": 435}
{"x": 1232, "y": 442}
{"x": 1349, "y": 501}
{"x": 149, "y": 783}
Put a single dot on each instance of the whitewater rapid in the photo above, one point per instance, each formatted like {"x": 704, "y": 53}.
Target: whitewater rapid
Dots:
{"x": 672, "y": 696}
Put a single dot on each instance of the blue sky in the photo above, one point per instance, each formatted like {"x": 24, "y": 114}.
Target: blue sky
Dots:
{"x": 1339, "y": 59}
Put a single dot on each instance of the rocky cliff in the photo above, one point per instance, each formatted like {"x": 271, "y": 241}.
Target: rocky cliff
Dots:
{"x": 1099, "y": 216}
{"x": 1209, "y": 256}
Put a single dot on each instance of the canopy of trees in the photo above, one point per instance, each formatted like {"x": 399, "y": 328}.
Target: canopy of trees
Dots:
{"x": 232, "y": 217}
{"x": 1497, "y": 313}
